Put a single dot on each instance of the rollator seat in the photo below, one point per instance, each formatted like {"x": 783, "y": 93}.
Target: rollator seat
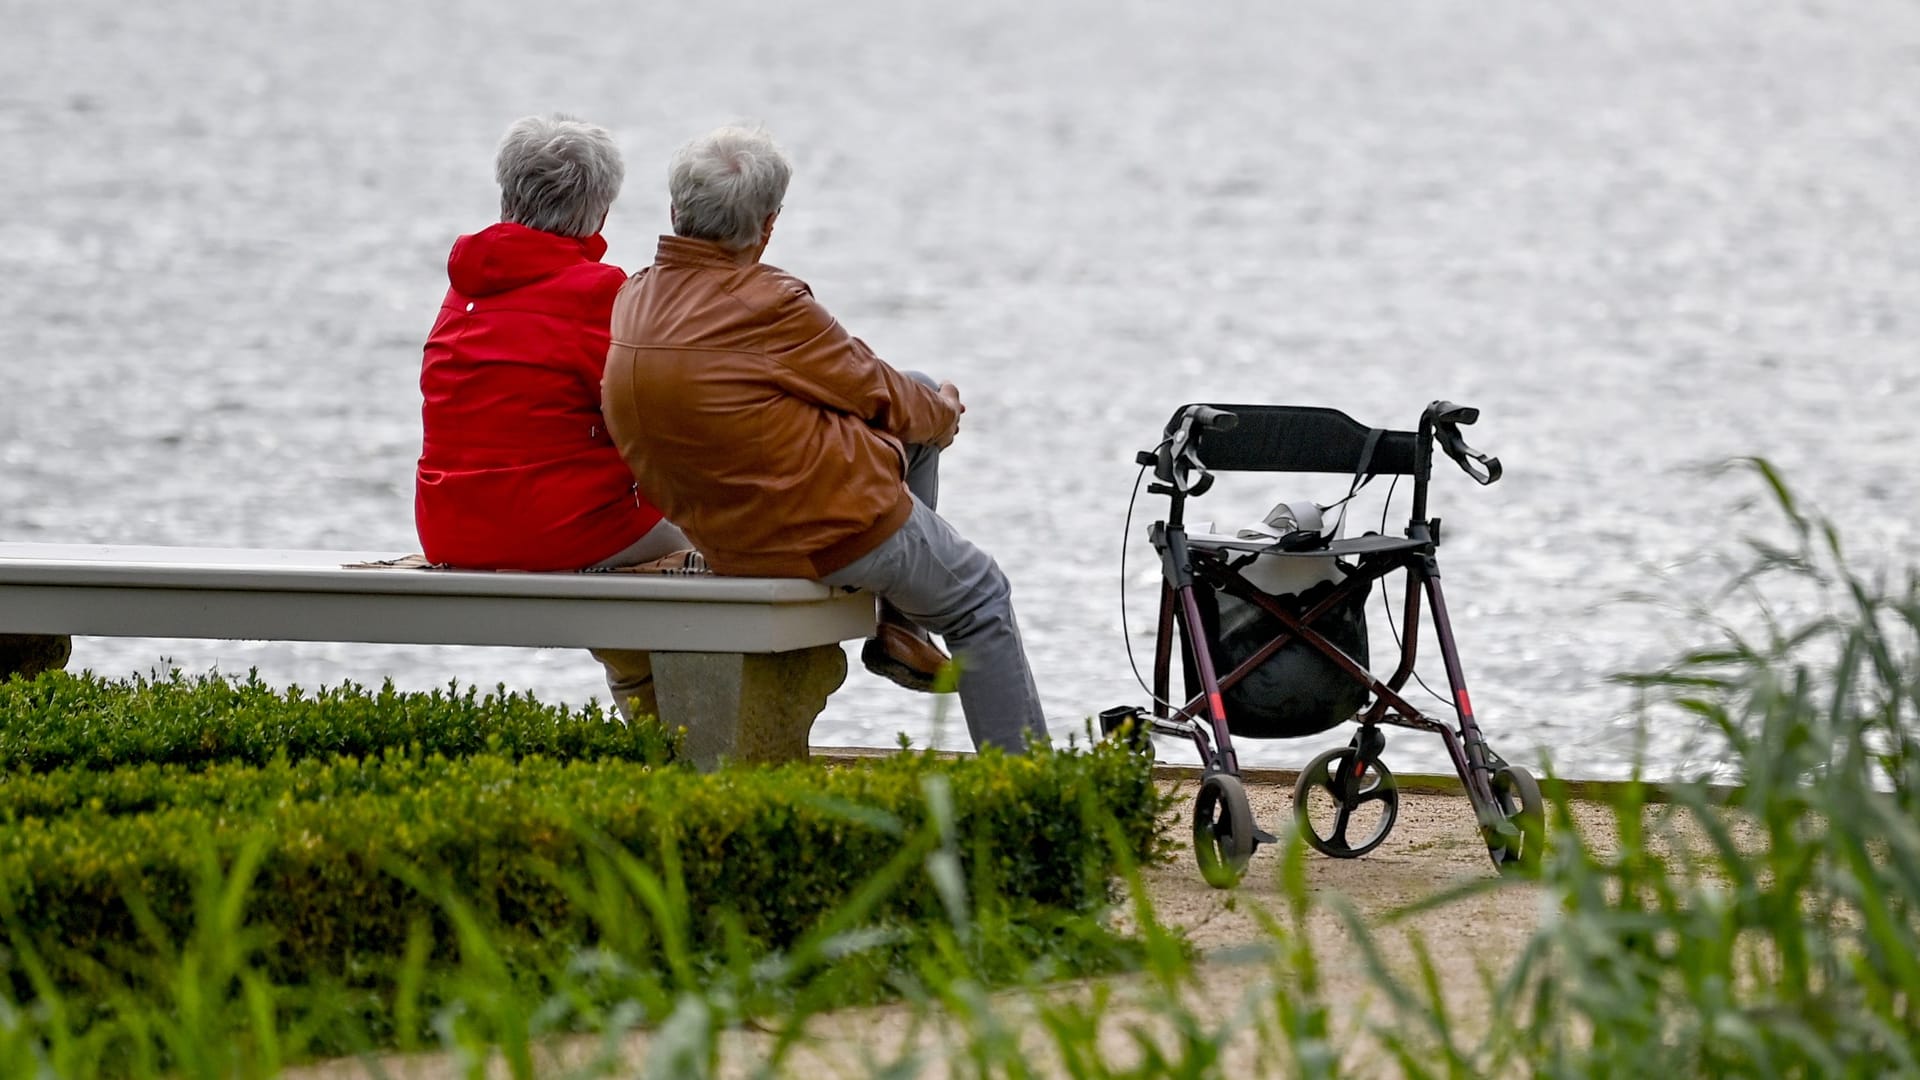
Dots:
{"x": 1359, "y": 546}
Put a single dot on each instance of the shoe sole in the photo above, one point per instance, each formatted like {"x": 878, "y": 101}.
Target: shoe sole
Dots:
{"x": 898, "y": 673}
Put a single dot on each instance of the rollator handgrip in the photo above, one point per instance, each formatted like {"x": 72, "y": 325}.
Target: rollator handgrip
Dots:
{"x": 1446, "y": 418}
{"x": 1208, "y": 418}
{"x": 1446, "y": 412}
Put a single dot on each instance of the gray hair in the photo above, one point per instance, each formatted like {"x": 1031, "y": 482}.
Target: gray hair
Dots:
{"x": 725, "y": 183}
{"x": 557, "y": 174}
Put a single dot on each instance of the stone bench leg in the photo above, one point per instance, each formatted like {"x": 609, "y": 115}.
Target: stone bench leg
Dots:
{"x": 27, "y": 655}
{"x": 749, "y": 708}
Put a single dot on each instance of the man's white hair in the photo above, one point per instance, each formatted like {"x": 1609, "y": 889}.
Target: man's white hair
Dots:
{"x": 557, "y": 174}
{"x": 725, "y": 183}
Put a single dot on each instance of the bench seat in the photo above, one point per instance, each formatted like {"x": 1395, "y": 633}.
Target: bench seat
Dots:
{"x": 728, "y": 649}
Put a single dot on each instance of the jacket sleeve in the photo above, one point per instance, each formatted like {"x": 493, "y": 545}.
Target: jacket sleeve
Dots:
{"x": 817, "y": 360}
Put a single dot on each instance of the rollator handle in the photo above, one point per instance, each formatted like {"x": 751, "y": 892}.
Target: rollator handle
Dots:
{"x": 1208, "y": 418}
{"x": 1177, "y": 462}
{"x": 1446, "y": 412}
{"x": 1446, "y": 418}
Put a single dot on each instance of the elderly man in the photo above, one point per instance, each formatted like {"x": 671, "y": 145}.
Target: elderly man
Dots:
{"x": 517, "y": 471}
{"x": 785, "y": 448}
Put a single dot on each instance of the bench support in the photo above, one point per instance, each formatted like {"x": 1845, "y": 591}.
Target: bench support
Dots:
{"x": 27, "y": 655}
{"x": 750, "y": 708}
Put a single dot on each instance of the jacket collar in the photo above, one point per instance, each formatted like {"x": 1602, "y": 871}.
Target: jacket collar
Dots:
{"x": 688, "y": 252}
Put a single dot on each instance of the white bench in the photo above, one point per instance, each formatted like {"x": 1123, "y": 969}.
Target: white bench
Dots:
{"x": 744, "y": 664}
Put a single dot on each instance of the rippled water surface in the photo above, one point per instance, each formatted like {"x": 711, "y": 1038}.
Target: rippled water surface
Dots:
{"x": 1639, "y": 236}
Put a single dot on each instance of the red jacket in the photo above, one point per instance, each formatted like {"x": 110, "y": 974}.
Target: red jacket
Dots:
{"x": 517, "y": 471}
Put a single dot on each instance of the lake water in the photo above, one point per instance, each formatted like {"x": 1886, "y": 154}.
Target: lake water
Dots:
{"x": 1640, "y": 236}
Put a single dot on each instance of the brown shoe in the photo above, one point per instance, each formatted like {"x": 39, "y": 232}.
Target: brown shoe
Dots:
{"x": 899, "y": 654}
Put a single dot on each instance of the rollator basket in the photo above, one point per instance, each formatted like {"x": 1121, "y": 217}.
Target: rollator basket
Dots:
{"x": 1298, "y": 690}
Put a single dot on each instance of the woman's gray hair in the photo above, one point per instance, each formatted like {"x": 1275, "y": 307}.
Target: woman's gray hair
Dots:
{"x": 558, "y": 174}
{"x": 725, "y": 183}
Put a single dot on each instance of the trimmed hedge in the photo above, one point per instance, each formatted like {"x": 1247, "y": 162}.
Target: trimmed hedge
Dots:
{"x": 362, "y": 813}
{"x": 234, "y": 788}
{"x": 777, "y": 850}
{"x": 59, "y": 721}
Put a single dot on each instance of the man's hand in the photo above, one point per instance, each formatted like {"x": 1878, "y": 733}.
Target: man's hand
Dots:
{"x": 952, "y": 394}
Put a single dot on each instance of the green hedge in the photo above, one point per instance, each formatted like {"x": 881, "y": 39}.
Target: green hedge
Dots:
{"x": 228, "y": 788}
{"x": 61, "y": 721}
{"x": 775, "y": 849}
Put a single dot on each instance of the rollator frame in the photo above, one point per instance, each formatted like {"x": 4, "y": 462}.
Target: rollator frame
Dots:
{"x": 1272, "y": 438}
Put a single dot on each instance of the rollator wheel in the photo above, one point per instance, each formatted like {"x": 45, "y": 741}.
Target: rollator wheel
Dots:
{"x": 1222, "y": 829}
{"x": 1518, "y": 798}
{"x": 1345, "y": 804}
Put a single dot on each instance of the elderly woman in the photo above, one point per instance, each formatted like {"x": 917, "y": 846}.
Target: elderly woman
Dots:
{"x": 517, "y": 471}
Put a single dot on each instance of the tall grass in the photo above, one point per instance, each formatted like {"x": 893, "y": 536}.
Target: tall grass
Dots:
{"x": 1768, "y": 928}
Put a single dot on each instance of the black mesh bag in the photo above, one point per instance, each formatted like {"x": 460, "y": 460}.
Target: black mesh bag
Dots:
{"x": 1299, "y": 690}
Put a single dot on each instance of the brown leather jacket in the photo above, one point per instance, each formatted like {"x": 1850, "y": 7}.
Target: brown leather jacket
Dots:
{"x": 770, "y": 435}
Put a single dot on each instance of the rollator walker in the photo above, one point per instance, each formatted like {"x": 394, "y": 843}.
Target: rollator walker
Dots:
{"x": 1260, "y": 663}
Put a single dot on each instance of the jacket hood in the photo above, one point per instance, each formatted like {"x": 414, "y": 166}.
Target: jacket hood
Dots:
{"x": 507, "y": 256}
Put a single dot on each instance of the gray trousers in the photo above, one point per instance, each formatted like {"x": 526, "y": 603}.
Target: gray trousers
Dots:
{"x": 945, "y": 584}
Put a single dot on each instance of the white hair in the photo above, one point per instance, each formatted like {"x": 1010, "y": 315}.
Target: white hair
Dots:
{"x": 725, "y": 183}
{"x": 557, "y": 174}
